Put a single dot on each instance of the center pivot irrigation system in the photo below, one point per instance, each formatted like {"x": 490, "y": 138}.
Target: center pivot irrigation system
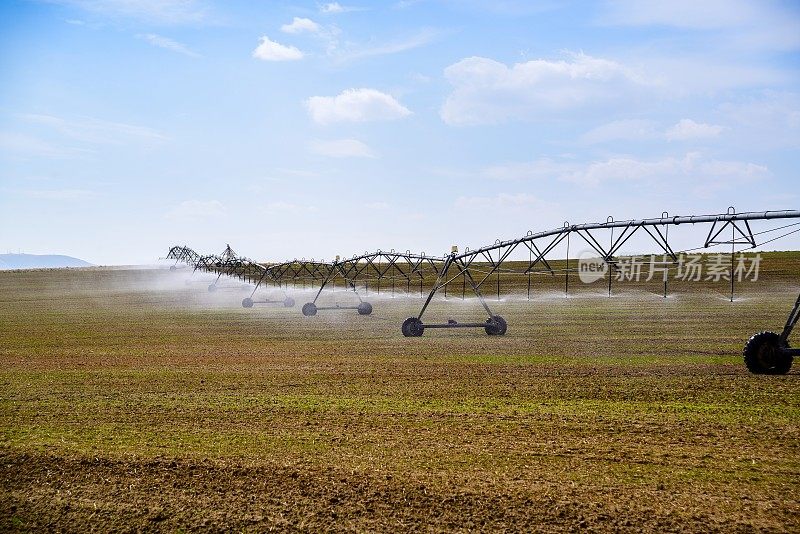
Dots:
{"x": 766, "y": 352}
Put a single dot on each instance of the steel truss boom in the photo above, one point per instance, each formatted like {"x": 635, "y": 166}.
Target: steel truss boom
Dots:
{"x": 538, "y": 245}
{"x": 764, "y": 353}
{"x": 375, "y": 266}
{"x": 476, "y": 267}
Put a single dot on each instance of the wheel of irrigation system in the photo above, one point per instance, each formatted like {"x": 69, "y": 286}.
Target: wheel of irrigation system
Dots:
{"x": 365, "y": 308}
{"x": 173, "y": 268}
{"x": 412, "y": 327}
{"x": 288, "y": 302}
{"x": 247, "y": 303}
{"x": 309, "y": 309}
{"x": 764, "y": 354}
{"x": 496, "y": 326}
{"x": 212, "y": 288}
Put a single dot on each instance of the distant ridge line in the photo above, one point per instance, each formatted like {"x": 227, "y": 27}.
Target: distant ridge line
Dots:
{"x": 39, "y": 261}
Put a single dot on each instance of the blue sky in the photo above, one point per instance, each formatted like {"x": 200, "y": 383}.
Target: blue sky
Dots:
{"x": 309, "y": 129}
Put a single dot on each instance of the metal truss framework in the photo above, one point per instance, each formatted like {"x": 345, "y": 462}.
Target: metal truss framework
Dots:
{"x": 538, "y": 245}
{"x": 389, "y": 268}
{"x": 476, "y": 267}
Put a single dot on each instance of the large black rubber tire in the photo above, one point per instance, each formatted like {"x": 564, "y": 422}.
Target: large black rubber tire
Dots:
{"x": 288, "y": 302}
{"x": 212, "y": 288}
{"x": 365, "y": 308}
{"x": 247, "y": 303}
{"x": 764, "y": 354}
{"x": 412, "y": 327}
{"x": 309, "y": 309}
{"x": 496, "y": 326}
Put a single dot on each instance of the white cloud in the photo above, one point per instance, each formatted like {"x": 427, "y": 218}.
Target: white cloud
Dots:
{"x": 343, "y": 148}
{"x": 269, "y": 50}
{"x": 300, "y": 25}
{"x": 168, "y": 44}
{"x": 193, "y": 210}
{"x": 336, "y": 7}
{"x": 622, "y": 130}
{"x": 487, "y": 91}
{"x": 687, "y": 129}
{"x": 355, "y": 105}
{"x": 377, "y": 206}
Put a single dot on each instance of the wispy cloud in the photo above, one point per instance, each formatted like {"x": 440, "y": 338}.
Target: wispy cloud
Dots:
{"x": 355, "y": 51}
{"x": 343, "y": 148}
{"x": 168, "y": 44}
{"x": 688, "y": 130}
{"x": 168, "y": 12}
{"x": 59, "y": 194}
{"x": 639, "y": 130}
{"x": 694, "y": 171}
{"x": 194, "y": 210}
{"x": 281, "y": 206}
{"x": 25, "y": 146}
{"x": 770, "y": 120}
{"x": 622, "y": 130}
{"x": 538, "y": 170}
{"x": 501, "y": 201}
{"x": 300, "y": 173}
{"x": 96, "y": 131}
{"x": 751, "y": 24}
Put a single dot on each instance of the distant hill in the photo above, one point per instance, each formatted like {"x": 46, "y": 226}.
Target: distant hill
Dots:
{"x": 37, "y": 261}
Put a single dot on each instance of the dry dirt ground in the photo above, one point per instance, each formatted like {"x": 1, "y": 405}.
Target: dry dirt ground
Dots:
{"x": 131, "y": 400}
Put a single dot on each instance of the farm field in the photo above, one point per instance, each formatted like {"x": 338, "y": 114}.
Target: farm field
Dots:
{"x": 132, "y": 400}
